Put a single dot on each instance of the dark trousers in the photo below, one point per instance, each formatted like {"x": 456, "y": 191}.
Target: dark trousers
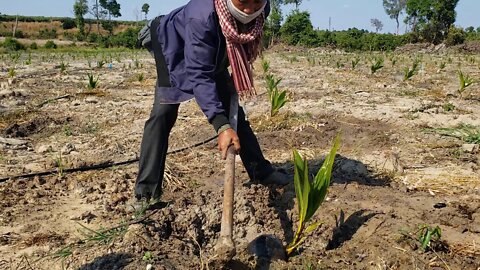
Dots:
{"x": 155, "y": 145}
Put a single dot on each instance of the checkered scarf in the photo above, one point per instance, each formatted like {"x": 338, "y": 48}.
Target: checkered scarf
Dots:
{"x": 242, "y": 48}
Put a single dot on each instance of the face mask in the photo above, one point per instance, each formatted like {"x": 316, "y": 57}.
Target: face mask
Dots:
{"x": 242, "y": 16}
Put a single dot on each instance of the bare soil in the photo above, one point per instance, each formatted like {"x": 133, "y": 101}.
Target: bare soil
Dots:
{"x": 393, "y": 174}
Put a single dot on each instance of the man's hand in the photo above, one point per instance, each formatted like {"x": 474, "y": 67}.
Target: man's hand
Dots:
{"x": 227, "y": 138}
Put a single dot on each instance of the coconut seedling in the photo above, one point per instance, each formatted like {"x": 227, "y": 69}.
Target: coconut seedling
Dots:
{"x": 277, "y": 98}
{"x": 140, "y": 77}
{"x": 100, "y": 63}
{"x": 377, "y": 65}
{"x": 63, "y": 66}
{"x": 311, "y": 60}
{"x": 339, "y": 64}
{"x": 11, "y": 72}
{"x": 310, "y": 194}
{"x": 465, "y": 81}
{"x": 92, "y": 81}
{"x": 442, "y": 65}
{"x": 355, "y": 62}
{"x": 410, "y": 72}
{"x": 28, "y": 61}
{"x": 428, "y": 235}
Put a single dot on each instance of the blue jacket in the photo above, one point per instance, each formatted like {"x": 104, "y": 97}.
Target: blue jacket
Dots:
{"x": 195, "y": 53}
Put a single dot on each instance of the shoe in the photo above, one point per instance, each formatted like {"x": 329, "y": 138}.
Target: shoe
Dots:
{"x": 138, "y": 207}
{"x": 277, "y": 177}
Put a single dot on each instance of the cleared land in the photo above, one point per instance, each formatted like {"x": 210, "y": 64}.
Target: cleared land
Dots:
{"x": 409, "y": 157}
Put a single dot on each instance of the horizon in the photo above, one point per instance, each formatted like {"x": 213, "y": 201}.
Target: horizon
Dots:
{"x": 343, "y": 14}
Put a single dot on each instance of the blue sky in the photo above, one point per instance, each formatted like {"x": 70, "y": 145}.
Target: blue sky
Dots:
{"x": 344, "y": 13}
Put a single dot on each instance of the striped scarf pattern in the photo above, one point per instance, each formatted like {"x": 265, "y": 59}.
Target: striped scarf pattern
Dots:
{"x": 242, "y": 48}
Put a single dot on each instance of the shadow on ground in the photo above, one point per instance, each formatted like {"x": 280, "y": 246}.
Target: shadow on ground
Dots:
{"x": 113, "y": 261}
{"x": 345, "y": 229}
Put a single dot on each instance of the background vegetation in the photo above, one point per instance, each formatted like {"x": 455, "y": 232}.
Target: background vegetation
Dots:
{"x": 427, "y": 21}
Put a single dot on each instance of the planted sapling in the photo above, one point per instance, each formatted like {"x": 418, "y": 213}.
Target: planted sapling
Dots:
{"x": 278, "y": 98}
{"x": 140, "y": 77}
{"x": 465, "y": 81}
{"x": 11, "y": 72}
{"x": 100, "y": 63}
{"x": 310, "y": 195}
{"x": 428, "y": 236}
{"x": 92, "y": 82}
{"x": 377, "y": 65}
{"x": 355, "y": 62}
{"x": 410, "y": 72}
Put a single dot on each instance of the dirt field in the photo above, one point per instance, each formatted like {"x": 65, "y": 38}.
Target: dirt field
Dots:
{"x": 402, "y": 164}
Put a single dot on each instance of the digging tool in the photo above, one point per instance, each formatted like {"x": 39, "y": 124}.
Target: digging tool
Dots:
{"x": 225, "y": 247}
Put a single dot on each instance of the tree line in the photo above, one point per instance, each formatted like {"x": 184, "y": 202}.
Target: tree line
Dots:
{"x": 425, "y": 21}
{"x": 430, "y": 21}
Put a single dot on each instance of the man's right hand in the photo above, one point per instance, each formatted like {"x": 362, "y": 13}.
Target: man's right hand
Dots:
{"x": 227, "y": 138}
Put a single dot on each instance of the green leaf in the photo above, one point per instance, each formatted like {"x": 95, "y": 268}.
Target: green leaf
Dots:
{"x": 312, "y": 227}
{"x": 426, "y": 239}
{"x": 298, "y": 174}
{"x": 322, "y": 181}
{"x": 305, "y": 193}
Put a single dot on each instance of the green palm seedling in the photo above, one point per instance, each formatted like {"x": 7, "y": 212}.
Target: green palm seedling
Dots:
{"x": 442, "y": 65}
{"x": 355, "y": 62}
{"x": 428, "y": 235}
{"x": 11, "y": 72}
{"x": 265, "y": 66}
{"x": 140, "y": 77}
{"x": 410, "y": 72}
{"x": 63, "y": 66}
{"x": 377, "y": 65}
{"x": 310, "y": 195}
{"x": 465, "y": 81}
{"x": 92, "y": 82}
{"x": 100, "y": 63}
{"x": 272, "y": 83}
{"x": 278, "y": 98}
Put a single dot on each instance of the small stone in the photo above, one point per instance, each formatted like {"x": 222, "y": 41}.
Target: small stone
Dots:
{"x": 6, "y": 93}
{"x": 67, "y": 149}
{"x": 242, "y": 217}
{"x": 440, "y": 205}
{"x": 92, "y": 100}
{"x": 76, "y": 103}
{"x": 42, "y": 149}
{"x": 470, "y": 148}
{"x": 149, "y": 267}
{"x": 33, "y": 167}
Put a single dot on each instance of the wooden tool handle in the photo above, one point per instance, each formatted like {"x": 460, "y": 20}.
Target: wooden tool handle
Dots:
{"x": 228, "y": 196}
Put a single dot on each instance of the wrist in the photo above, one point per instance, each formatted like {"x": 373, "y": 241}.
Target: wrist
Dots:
{"x": 223, "y": 128}
{"x": 218, "y": 121}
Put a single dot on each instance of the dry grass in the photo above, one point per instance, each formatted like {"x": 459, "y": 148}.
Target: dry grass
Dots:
{"x": 444, "y": 184}
{"x": 467, "y": 249}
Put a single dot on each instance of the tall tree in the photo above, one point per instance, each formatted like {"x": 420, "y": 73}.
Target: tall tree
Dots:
{"x": 394, "y": 8}
{"x": 377, "y": 24}
{"x": 274, "y": 21}
{"x": 95, "y": 12}
{"x": 145, "y": 9}
{"x": 110, "y": 8}
{"x": 296, "y": 2}
{"x": 80, "y": 9}
{"x": 431, "y": 19}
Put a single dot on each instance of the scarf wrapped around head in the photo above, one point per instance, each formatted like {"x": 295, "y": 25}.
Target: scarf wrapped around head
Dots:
{"x": 242, "y": 48}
